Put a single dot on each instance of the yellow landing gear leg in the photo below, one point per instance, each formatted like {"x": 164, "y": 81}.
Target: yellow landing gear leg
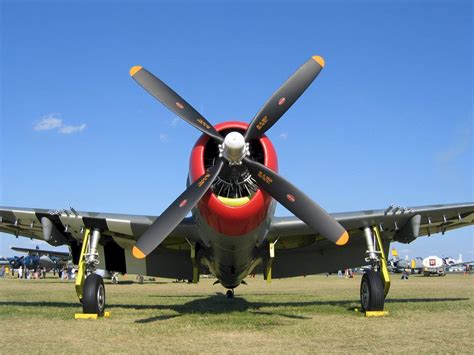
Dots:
{"x": 268, "y": 273}
{"x": 195, "y": 263}
{"x": 81, "y": 272}
{"x": 383, "y": 261}
{"x": 81, "y": 277}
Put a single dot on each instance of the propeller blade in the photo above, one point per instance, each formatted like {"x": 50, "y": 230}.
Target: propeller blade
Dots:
{"x": 175, "y": 213}
{"x": 297, "y": 202}
{"x": 284, "y": 98}
{"x": 163, "y": 93}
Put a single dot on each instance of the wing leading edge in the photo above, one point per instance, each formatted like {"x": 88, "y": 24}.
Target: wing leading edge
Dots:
{"x": 60, "y": 227}
{"x": 300, "y": 251}
{"x": 393, "y": 222}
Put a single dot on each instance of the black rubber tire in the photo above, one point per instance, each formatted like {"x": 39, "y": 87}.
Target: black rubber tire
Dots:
{"x": 93, "y": 295}
{"x": 372, "y": 297}
{"x": 230, "y": 293}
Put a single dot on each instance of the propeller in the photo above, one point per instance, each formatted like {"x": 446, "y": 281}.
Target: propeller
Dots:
{"x": 175, "y": 213}
{"x": 297, "y": 202}
{"x": 16, "y": 261}
{"x": 234, "y": 149}
{"x": 284, "y": 98}
{"x": 163, "y": 93}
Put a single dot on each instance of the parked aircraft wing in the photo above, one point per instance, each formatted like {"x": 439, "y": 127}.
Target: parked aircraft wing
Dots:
{"x": 299, "y": 251}
{"x": 403, "y": 224}
{"x": 60, "y": 227}
{"x": 59, "y": 254}
{"x": 460, "y": 264}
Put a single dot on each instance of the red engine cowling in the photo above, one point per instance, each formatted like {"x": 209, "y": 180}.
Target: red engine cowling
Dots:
{"x": 225, "y": 219}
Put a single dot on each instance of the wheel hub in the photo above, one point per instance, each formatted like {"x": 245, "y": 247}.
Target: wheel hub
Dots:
{"x": 101, "y": 297}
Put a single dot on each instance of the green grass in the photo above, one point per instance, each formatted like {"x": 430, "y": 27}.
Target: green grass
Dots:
{"x": 311, "y": 314}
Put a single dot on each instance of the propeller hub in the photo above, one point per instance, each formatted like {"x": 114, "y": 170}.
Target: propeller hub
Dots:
{"x": 234, "y": 148}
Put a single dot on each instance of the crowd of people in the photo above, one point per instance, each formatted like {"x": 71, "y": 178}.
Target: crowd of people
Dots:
{"x": 66, "y": 273}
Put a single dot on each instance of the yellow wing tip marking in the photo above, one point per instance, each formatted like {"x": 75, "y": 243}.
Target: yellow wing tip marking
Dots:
{"x": 137, "y": 253}
{"x": 319, "y": 60}
{"x": 343, "y": 239}
{"x": 135, "y": 69}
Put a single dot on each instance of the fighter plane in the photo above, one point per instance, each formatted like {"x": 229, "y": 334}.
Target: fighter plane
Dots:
{"x": 397, "y": 264}
{"x": 38, "y": 258}
{"x": 433, "y": 266}
{"x": 232, "y": 190}
{"x": 456, "y": 263}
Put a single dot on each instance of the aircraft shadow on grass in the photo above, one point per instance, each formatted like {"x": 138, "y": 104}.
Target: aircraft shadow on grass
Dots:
{"x": 219, "y": 304}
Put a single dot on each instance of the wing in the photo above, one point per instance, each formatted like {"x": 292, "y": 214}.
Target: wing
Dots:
{"x": 59, "y": 254}
{"x": 58, "y": 227}
{"x": 300, "y": 251}
{"x": 119, "y": 234}
{"x": 460, "y": 264}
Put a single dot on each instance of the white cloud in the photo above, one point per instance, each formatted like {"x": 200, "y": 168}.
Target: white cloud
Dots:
{"x": 71, "y": 129}
{"x": 47, "y": 123}
{"x": 284, "y": 136}
{"x": 163, "y": 137}
{"x": 52, "y": 121}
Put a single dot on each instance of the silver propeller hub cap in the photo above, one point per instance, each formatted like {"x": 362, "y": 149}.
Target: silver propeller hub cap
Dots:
{"x": 234, "y": 148}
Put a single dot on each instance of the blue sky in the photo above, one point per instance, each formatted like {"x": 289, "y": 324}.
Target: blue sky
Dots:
{"x": 389, "y": 119}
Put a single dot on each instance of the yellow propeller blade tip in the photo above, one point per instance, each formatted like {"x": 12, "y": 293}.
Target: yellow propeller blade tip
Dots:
{"x": 343, "y": 239}
{"x": 134, "y": 70}
{"x": 137, "y": 253}
{"x": 319, "y": 60}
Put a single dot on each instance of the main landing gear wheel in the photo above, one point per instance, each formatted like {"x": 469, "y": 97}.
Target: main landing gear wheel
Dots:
{"x": 93, "y": 300}
{"x": 372, "y": 295}
{"x": 230, "y": 293}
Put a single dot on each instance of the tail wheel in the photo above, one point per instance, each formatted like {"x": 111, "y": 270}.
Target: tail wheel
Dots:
{"x": 93, "y": 295}
{"x": 230, "y": 294}
{"x": 372, "y": 295}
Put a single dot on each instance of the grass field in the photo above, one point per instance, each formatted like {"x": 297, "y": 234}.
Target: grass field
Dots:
{"x": 312, "y": 314}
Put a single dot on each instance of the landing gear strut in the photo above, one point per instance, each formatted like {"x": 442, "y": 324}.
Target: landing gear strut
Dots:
{"x": 90, "y": 286}
{"x": 375, "y": 283}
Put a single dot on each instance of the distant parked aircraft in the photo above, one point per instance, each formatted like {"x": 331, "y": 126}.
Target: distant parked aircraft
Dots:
{"x": 38, "y": 258}
{"x": 398, "y": 265}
